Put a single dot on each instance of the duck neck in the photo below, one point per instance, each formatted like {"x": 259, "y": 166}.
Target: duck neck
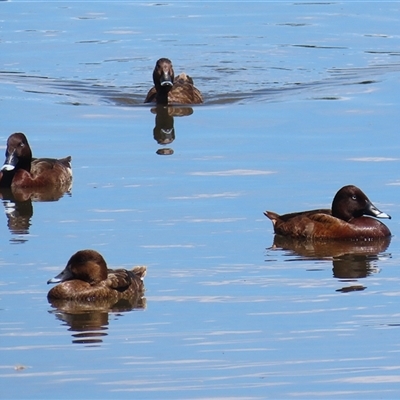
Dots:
{"x": 25, "y": 163}
{"x": 162, "y": 97}
{"x": 6, "y": 178}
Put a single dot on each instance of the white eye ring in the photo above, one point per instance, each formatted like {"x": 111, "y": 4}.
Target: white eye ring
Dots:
{"x": 354, "y": 197}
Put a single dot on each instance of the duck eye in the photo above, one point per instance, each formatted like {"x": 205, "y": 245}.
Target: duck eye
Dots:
{"x": 354, "y": 197}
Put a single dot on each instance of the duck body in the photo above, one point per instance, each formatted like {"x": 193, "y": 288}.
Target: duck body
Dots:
{"x": 170, "y": 90}
{"x": 87, "y": 278}
{"x": 349, "y": 219}
{"x": 20, "y": 170}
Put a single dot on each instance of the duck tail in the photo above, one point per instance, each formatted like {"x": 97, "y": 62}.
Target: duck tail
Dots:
{"x": 272, "y": 216}
{"x": 66, "y": 161}
{"x": 140, "y": 271}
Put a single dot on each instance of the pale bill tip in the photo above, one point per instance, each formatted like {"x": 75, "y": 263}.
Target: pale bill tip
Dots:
{"x": 54, "y": 280}
{"x": 384, "y": 215}
{"x": 7, "y": 167}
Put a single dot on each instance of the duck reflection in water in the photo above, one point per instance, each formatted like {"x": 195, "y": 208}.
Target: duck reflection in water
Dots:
{"x": 89, "y": 321}
{"x": 87, "y": 291}
{"x": 351, "y": 260}
{"x": 18, "y": 207}
{"x": 164, "y": 131}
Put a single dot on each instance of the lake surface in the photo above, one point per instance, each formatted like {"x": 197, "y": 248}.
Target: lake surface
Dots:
{"x": 300, "y": 100}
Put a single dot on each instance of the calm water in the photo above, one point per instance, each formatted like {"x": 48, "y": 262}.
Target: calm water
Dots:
{"x": 300, "y": 99}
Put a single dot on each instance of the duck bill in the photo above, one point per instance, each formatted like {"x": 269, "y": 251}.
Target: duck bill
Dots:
{"x": 374, "y": 212}
{"x": 166, "y": 79}
{"x": 10, "y": 162}
{"x": 64, "y": 275}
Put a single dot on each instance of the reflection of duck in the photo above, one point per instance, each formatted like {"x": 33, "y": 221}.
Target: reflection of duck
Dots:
{"x": 354, "y": 266}
{"x": 90, "y": 319}
{"x": 168, "y": 89}
{"x": 19, "y": 213}
{"x": 345, "y": 221}
{"x": 164, "y": 131}
{"x": 320, "y": 249}
{"x": 19, "y": 209}
{"x": 47, "y": 193}
{"x": 351, "y": 260}
{"x": 20, "y": 170}
{"x": 86, "y": 278}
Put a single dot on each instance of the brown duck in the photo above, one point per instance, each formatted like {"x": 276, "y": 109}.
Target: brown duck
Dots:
{"x": 170, "y": 90}
{"x": 87, "y": 278}
{"x": 20, "y": 170}
{"x": 346, "y": 220}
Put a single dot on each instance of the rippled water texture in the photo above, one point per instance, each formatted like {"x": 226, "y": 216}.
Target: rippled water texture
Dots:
{"x": 300, "y": 100}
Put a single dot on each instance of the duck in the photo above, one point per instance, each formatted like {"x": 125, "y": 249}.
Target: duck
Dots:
{"x": 86, "y": 278}
{"x": 348, "y": 219}
{"x": 20, "y": 170}
{"x": 170, "y": 90}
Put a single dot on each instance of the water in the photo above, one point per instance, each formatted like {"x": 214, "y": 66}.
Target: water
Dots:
{"x": 300, "y": 99}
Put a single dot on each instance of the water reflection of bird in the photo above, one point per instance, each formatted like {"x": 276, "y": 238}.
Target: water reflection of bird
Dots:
{"x": 345, "y": 221}
{"x": 20, "y": 170}
{"x": 354, "y": 266}
{"x": 350, "y": 259}
{"x": 170, "y": 90}
{"x": 19, "y": 208}
{"x": 89, "y": 320}
{"x": 164, "y": 131}
{"x": 19, "y": 212}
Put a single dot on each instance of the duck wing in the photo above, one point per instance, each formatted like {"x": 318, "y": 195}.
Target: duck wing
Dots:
{"x": 39, "y": 165}
{"x": 184, "y": 91}
{"x": 52, "y": 171}
{"x": 122, "y": 279}
{"x": 305, "y": 224}
{"x": 151, "y": 95}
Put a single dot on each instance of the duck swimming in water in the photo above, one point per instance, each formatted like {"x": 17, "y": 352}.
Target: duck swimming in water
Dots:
{"x": 346, "y": 220}
{"x": 20, "y": 170}
{"x": 87, "y": 278}
{"x": 170, "y": 90}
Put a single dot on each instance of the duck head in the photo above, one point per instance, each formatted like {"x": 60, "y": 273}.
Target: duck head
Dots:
{"x": 18, "y": 153}
{"x": 163, "y": 75}
{"x": 85, "y": 265}
{"x": 351, "y": 202}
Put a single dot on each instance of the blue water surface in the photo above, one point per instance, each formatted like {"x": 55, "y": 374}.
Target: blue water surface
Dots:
{"x": 301, "y": 98}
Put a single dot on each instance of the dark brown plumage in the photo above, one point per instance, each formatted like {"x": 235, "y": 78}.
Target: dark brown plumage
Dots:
{"x": 170, "y": 90}
{"x": 87, "y": 278}
{"x": 345, "y": 221}
{"x": 20, "y": 170}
